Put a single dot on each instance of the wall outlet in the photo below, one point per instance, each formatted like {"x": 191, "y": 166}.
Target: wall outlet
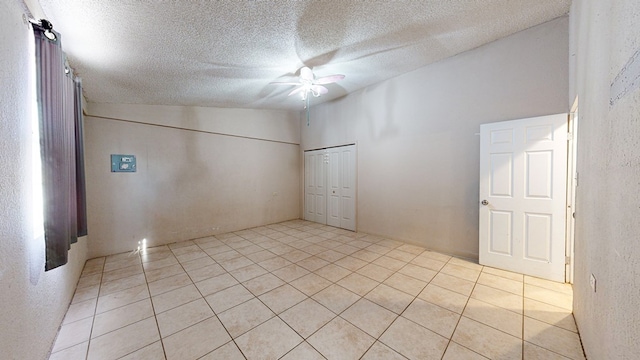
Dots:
{"x": 592, "y": 282}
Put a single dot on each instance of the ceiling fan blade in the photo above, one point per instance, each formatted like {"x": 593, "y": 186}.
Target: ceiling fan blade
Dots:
{"x": 318, "y": 90}
{"x": 284, "y": 83}
{"x": 329, "y": 79}
{"x": 306, "y": 74}
{"x": 297, "y": 90}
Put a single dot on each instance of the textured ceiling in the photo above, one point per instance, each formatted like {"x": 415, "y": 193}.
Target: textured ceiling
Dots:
{"x": 225, "y": 53}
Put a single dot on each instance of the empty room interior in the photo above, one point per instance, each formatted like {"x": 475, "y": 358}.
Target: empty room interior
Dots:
{"x": 320, "y": 179}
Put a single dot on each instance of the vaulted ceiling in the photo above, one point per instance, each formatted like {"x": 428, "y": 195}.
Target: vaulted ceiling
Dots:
{"x": 225, "y": 53}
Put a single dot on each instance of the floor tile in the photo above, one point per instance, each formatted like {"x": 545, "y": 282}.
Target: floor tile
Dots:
{"x": 163, "y": 272}
{"x": 390, "y": 263}
{"x": 503, "y": 273}
{"x": 121, "y": 317}
{"x": 486, "y": 340}
{"x": 390, "y": 298}
{"x": 547, "y": 296}
{"x": 310, "y": 284}
{"x": 548, "y": 284}
{"x": 369, "y": 317}
{"x": 406, "y": 283}
{"x": 198, "y": 263}
{"x": 183, "y": 316}
{"x": 332, "y": 272}
{"x": 303, "y": 351}
{"x": 418, "y": 272}
{"x": 228, "y": 298}
{"x": 442, "y": 297}
{"x": 428, "y": 263}
{"x": 85, "y": 293}
{"x": 282, "y": 298}
{"x": 494, "y": 316}
{"x": 76, "y": 352}
{"x": 380, "y": 351}
{"x": 336, "y": 298}
{"x": 414, "y": 341}
{"x": 245, "y": 317}
{"x": 330, "y": 255}
{"x": 261, "y": 256}
{"x": 205, "y": 272}
{"x": 456, "y": 351}
{"x": 313, "y": 263}
{"x": 358, "y": 284}
{"x": 248, "y": 272}
{"x": 274, "y": 263}
{"x": 307, "y": 317}
{"x": 263, "y": 284}
{"x": 149, "y": 352}
{"x": 128, "y": 282}
{"x": 460, "y": 272}
{"x": 563, "y": 342}
{"x": 122, "y": 273}
{"x": 501, "y": 283}
{"x": 175, "y": 298}
{"x": 432, "y": 317}
{"x": 470, "y": 264}
{"x": 168, "y": 284}
{"x": 350, "y": 263}
{"x": 235, "y": 263}
{"x": 534, "y": 352}
{"x": 73, "y": 334}
{"x": 366, "y": 255}
{"x": 80, "y": 310}
{"x": 128, "y": 339}
{"x": 228, "y": 351}
{"x": 453, "y": 283}
{"x": 400, "y": 255}
{"x": 291, "y": 272}
{"x": 375, "y": 272}
{"x": 215, "y": 284}
{"x": 436, "y": 256}
{"x": 121, "y": 298}
{"x": 196, "y": 341}
{"x": 499, "y": 298}
{"x": 550, "y": 314}
{"x": 341, "y": 340}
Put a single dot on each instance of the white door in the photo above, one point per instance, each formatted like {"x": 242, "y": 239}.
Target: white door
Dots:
{"x": 523, "y": 169}
{"x": 330, "y": 181}
{"x": 315, "y": 186}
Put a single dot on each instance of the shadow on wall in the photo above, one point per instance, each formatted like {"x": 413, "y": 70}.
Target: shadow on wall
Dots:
{"x": 381, "y": 120}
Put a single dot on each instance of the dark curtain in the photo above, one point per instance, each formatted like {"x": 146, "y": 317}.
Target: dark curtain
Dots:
{"x": 56, "y": 110}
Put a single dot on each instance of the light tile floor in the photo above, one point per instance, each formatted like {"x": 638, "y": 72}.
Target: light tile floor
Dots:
{"x": 300, "y": 290}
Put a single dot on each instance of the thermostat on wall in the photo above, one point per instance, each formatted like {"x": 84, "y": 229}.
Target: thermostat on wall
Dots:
{"x": 123, "y": 163}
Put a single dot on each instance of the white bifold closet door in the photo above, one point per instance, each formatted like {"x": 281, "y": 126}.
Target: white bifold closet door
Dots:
{"x": 330, "y": 186}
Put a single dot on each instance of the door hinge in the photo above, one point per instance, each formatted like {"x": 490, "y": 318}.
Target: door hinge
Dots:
{"x": 569, "y": 136}
{"x": 567, "y": 260}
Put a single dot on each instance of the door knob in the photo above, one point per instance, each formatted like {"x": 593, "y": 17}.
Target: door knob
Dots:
{"x": 485, "y": 202}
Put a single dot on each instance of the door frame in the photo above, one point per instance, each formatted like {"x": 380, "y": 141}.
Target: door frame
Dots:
{"x": 572, "y": 183}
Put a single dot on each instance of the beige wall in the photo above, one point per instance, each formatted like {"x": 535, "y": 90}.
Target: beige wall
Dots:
{"x": 417, "y": 134}
{"x": 201, "y": 171}
{"x": 605, "y": 36}
{"x": 32, "y": 302}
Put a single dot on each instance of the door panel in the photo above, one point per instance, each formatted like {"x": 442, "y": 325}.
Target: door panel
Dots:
{"x": 523, "y": 179}
{"x": 330, "y": 181}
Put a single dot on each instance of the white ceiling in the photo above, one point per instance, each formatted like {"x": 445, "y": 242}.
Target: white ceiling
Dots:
{"x": 225, "y": 53}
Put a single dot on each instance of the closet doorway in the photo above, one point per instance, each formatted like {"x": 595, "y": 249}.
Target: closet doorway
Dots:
{"x": 330, "y": 186}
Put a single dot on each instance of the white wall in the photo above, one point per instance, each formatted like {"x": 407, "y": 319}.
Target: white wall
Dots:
{"x": 201, "y": 171}
{"x": 605, "y": 36}
{"x": 418, "y": 159}
{"x": 32, "y": 302}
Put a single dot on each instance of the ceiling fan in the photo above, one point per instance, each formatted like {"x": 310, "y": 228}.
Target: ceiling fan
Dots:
{"x": 309, "y": 84}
